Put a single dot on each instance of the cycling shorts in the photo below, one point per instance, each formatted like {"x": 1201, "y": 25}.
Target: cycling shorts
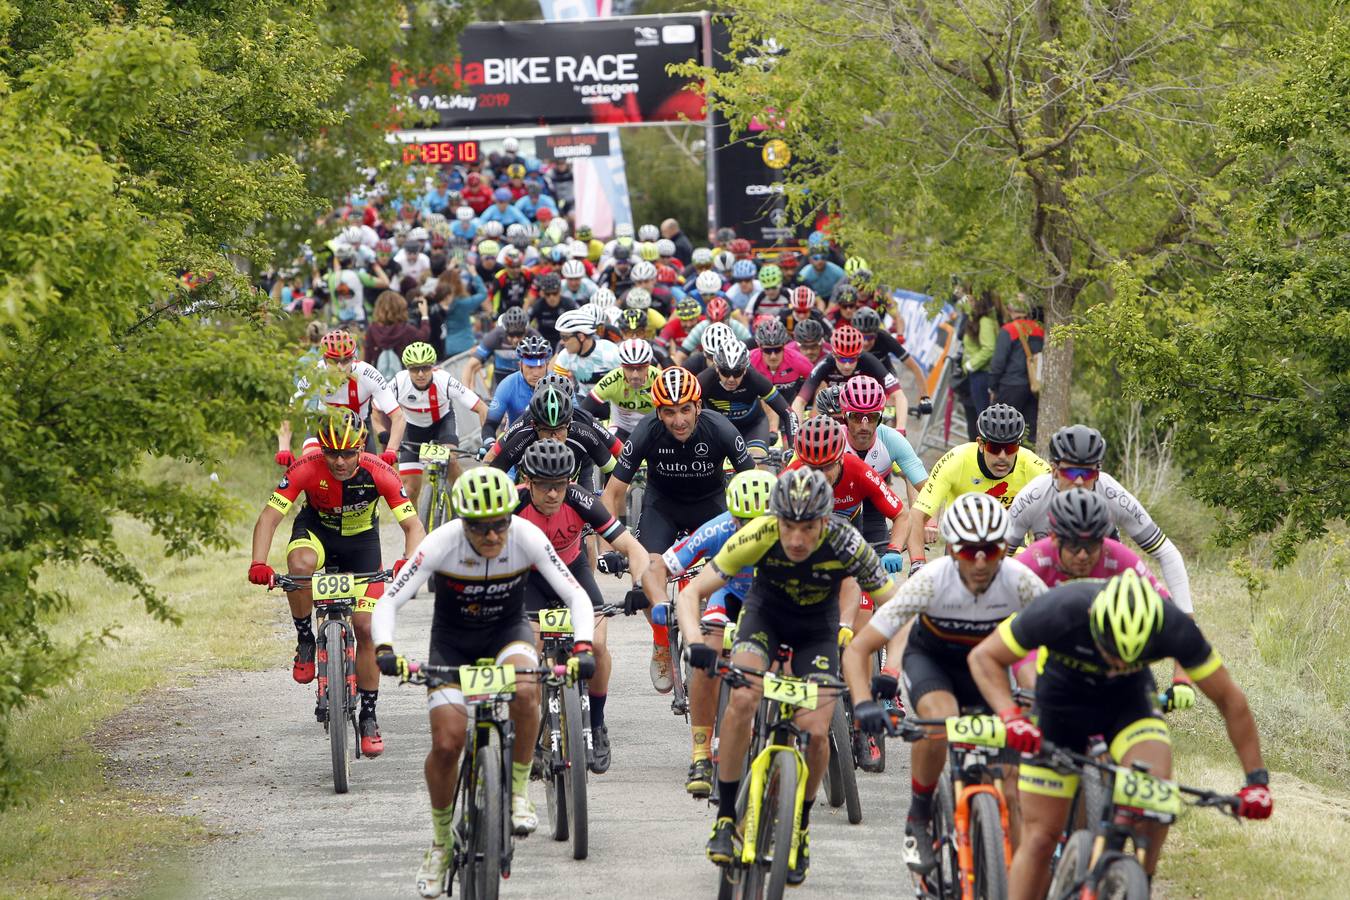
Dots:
{"x": 464, "y": 647}
{"x": 663, "y": 519}
{"x": 442, "y": 432}
{"x": 723, "y": 607}
{"x": 756, "y": 433}
{"x": 349, "y": 552}
{"x": 539, "y": 594}
{"x": 815, "y": 645}
{"x": 925, "y": 672}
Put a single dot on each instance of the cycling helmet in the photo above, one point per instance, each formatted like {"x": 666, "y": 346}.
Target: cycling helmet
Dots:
{"x": 803, "y": 299}
{"x": 713, "y": 336}
{"x": 647, "y": 252}
{"x": 1077, "y": 445}
{"x": 338, "y": 345}
{"x": 771, "y": 276}
{"x": 708, "y": 282}
{"x": 771, "y": 334}
{"x": 723, "y": 260}
{"x": 573, "y": 269}
{"x": 578, "y": 250}
{"x": 556, "y": 253}
{"x": 548, "y": 283}
{"x": 748, "y": 493}
{"x": 718, "y": 309}
{"x": 1125, "y": 615}
{"x": 534, "y": 347}
{"x": 974, "y": 519}
{"x": 801, "y": 495}
{"x": 489, "y": 249}
{"x": 344, "y": 431}
{"x": 635, "y": 352}
{"x": 515, "y": 230}
{"x": 855, "y": 264}
{"x": 844, "y": 293}
{"x": 827, "y": 401}
{"x": 688, "y": 310}
{"x": 648, "y": 233}
{"x": 548, "y": 459}
{"x": 515, "y": 170}
{"x": 419, "y": 353}
{"x": 725, "y": 235}
{"x": 576, "y": 321}
{"x": 418, "y": 235}
{"x": 464, "y": 214}
{"x": 563, "y": 383}
{"x": 665, "y": 248}
{"x": 740, "y": 247}
{"x": 633, "y": 319}
{"x": 816, "y": 240}
{"x": 808, "y": 331}
{"x": 702, "y": 257}
{"x": 492, "y": 228}
{"x": 603, "y": 297}
{"x": 352, "y": 235}
{"x": 483, "y": 493}
{"x": 866, "y": 320}
{"x": 623, "y": 254}
{"x": 644, "y": 271}
{"x": 1001, "y": 423}
{"x": 512, "y": 255}
{"x": 1080, "y": 515}
{"x": 511, "y": 145}
{"x": 638, "y": 298}
{"x": 584, "y": 232}
{"x": 623, "y": 230}
{"x": 675, "y": 386}
{"x": 848, "y": 341}
{"x": 551, "y": 407}
{"x": 862, "y": 394}
{"x": 384, "y": 247}
{"x": 514, "y": 320}
{"x": 821, "y": 441}
{"x": 731, "y": 358}
{"x": 743, "y": 270}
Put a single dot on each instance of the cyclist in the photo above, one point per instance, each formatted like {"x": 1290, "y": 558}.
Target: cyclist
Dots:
{"x": 1076, "y": 454}
{"x": 513, "y": 282}
{"x": 712, "y": 337}
{"x": 688, "y": 311}
{"x": 717, "y": 311}
{"x": 741, "y": 393}
{"x": 581, "y": 356}
{"x": 575, "y": 285}
{"x": 843, "y": 362}
{"x": 618, "y": 275}
{"x": 784, "y": 366}
{"x": 363, "y": 388}
{"x": 821, "y": 275}
{"x": 479, "y": 565}
{"x": 684, "y": 447}
{"x": 809, "y": 338}
{"x": 552, "y": 415}
{"x": 563, "y": 511}
{"x": 800, "y": 554}
{"x": 425, "y": 394}
{"x": 551, "y": 304}
{"x": 1099, "y": 639}
{"x": 771, "y": 300}
{"x": 500, "y": 345}
{"x": 995, "y": 463}
{"x": 881, "y": 345}
{"x": 959, "y": 600}
{"x": 627, "y": 390}
{"x": 1078, "y": 546}
{"x": 660, "y": 299}
{"x": 337, "y": 526}
{"x": 639, "y": 299}
{"x": 745, "y": 287}
{"x": 512, "y": 396}
{"x": 801, "y": 308}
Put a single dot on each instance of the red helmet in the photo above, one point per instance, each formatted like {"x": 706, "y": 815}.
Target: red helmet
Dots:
{"x": 666, "y": 275}
{"x": 338, "y": 345}
{"x": 862, "y": 394}
{"x": 847, "y": 341}
{"x": 803, "y": 298}
{"x": 740, "y": 248}
{"x": 821, "y": 441}
{"x": 718, "y": 309}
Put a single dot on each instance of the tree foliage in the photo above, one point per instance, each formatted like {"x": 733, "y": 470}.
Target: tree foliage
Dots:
{"x": 1256, "y": 373}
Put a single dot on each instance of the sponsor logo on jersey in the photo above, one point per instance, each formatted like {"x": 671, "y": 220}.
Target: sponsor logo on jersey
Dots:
{"x": 283, "y": 483}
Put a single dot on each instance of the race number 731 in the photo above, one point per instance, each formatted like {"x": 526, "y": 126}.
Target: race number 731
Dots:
{"x": 792, "y": 691}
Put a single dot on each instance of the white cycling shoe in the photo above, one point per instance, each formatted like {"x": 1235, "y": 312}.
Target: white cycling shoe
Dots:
{"x": 524, "y": 820}
{"x": 660, "y": 669}
{"x": 431, "y": 876}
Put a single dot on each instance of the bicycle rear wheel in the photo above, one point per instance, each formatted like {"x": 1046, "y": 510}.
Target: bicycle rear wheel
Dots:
{"x": 1073, "y": 865}
{"x": 841, "y": 748}
{"x": 486, "y": 816}
{"x": 776, "y": 821}
{"x": 335, "y": 670}
{"x": 574, "y": 776}
{"x": 944, "y": 826}
{"x": 986, "y": 839}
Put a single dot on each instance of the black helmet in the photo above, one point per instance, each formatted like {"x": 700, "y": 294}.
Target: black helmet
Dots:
{"x": 515, "y": 321}
{"x": 548, "y": 459}
{"x": 1001, "y": 424}
{"x": 866, "y": 320}
{"x": 551, "y": 407}
{"x": 771, "y": 334}
{"x": 1081, "y": 515}
{"x": 561, "y": 382}
{"x": 844, "y": 292}
{"x": 622, "y": 253}
{"x": 808, "y": 331}
{"x": 802, "y": 495}
{"x": 548, "y": 283}
{"x": 1077, "y": 445}
{"x": 827, "y": 400}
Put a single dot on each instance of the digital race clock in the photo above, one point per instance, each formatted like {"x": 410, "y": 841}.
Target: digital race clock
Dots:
{"x": 441, "y": 153}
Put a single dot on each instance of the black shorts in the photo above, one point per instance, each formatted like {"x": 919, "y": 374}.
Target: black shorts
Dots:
{"x": 925, "y": 672}
{"x": 755, "y": 431}
{"x": 815, "y": 645}
{"x": 874, "y": 527}
{"x": 442, "y": 432}
{"x": 539, "y": 594}
{"x": 349, "y": 552}
{"x": 663, "y": 518}
{"x": 466, "y": 646}
{"x": 1070, "y": 722}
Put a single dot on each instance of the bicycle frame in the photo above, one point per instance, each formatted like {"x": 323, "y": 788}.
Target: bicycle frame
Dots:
{"x": 759, "y": 772}
{"x": 964, "y": 795}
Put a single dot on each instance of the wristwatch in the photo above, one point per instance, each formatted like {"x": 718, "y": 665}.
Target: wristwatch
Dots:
{"x": 1258, "y": 776}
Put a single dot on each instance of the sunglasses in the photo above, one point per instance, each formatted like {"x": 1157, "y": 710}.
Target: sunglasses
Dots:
{"x": 999, "y": 449}
{"x": 421, "y": 370}
{"x": 809, "y": 348}
{"x": 549, "y": 487}
{"x": 974, "y": 552}
{"x": 863, "y": 418}
{"x": 1077, "y": 548}
{"x": 846, "y": 360}
{"x": 767, "y": 350}
{"x": 1073, "y": 473}
{"x": 487, "y": 526}
{"x": 340, "y": 454}
{"x": 731, "y": 373}
{"x": 848, "y": 306}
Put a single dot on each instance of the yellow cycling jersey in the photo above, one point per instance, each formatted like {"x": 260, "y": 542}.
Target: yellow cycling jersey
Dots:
{"x": 614, "y": 388}
{"x": 961, "y": 470}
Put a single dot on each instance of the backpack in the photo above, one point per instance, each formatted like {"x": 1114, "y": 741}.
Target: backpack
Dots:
{"x": 390, "y": 363}
{"x": 1033, "y": 361}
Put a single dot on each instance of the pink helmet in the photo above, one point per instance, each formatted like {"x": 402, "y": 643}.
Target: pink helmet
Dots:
{"x": 862, "y": 394}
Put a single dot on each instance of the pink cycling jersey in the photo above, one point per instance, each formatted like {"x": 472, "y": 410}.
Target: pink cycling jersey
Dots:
{"x": 1043, "y": 559}
{"x": 793, "y": 369}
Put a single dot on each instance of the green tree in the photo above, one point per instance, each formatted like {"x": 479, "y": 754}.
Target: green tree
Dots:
{"x": 1026, "y": 146}
{"x": 667, "y": 175}
{"x": 1255, "y": 373}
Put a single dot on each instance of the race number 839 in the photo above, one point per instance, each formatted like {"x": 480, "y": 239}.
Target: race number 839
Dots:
{"x": 1147, "y": 792}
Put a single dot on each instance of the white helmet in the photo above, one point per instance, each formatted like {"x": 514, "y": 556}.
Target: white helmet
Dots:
{"x": 648, "y": 233}
{"x": 464, "y": 213}
{"x": 492, "y": 229}
{"x": 702, "y": 257}
{"x": 578, "y": 250}
{"x": 573, "y": 269}
{"x": 708, "y": 282}
{"x": 511, "y": 145}
{"x": 558, "y": 225}
{"x": 623, "y": 231}
{"x": 666, "y": 248}
{"x": 635, "y": 352}
{"x": 714, "y": 335}
{"x": 604, "y": 297}
{"x": 723, "y": 260}
{"x": 576, "y": 321}
{"x": 352, "y": 234}
{"x": 516, "y": 230}
{"x": 638, "y": 298}
{"x": 344, "y": 251}
{"x": 643, "y": 271}
{"x": 974, "y": 519}
{"x": 419, "y": 234}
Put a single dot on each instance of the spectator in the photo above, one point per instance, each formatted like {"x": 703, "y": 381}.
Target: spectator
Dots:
{"x": 454, "y": 301}
{"x": 821, "y": 275}
{"x": 390, "y": 332}
{"x": 684, "y": 248}
{"x": 1008, "y": 380}
{"x": 979, "y": 338}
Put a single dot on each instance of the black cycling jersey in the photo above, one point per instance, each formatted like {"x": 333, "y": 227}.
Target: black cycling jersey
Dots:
{"x": 741, "y": 405}
{"x": 696, "y": 362}
{"x": 589, "y": 441}
{"x": 691, "y": 470}
{"x": 886, "y": 346}
{"x": 545, "y": 317}
{"x": 827, "y": 372}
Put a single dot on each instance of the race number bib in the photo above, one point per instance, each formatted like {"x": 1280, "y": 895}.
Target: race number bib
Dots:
{"x": 334, "y": 586}
{"x": 483, "y": 682}
{"x": 792, "y": 691}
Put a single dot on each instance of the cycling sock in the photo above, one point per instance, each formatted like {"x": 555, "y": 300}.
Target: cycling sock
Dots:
{"x": 661, "y": 635}
{"x": 806, "y": 813}
{"x": 442, "y": 822}
{"x": 368, "y": 703}
{"x": 702, "y": 742}
{"x": 520, "y": 778}
{"x": 598, "y": 710}
{"x": 921, "y": 803}
{"x": 304, "y": 630}
{"x": 726, "y": 798}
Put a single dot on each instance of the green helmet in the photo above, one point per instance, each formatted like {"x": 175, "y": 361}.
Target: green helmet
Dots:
{"x": 855, "y": 264}
{"x": 748, "y": 493}
{"x": 1125, "y": 615}
{"x": 419, "y": 353}
{"x": 483, "y": 493}
{"x": 771, "y": 277}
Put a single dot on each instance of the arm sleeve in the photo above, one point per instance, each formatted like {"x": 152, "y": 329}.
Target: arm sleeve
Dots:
{"x": 564, "y": 584}
{"x": 289, "y": 488}
{"x": 497, "y": 408}
{"x": 597, "y": 440}
{"x": 1174, "y": 573}
{"x": 746, "y": 547}
{"x": 883, "y": 498}
{"x": 461, "y": 393}
{"x": 391, "y": 489}
{"x": 594, "y": 404}
{"x": 870, "y": 365}
{"x": 912, "y": 598}
{"x": 1022, "y": 514}
{"x": 769, "y": 394}
{"x": 812, "y": 382}
{"x": 382, "y": 394}
{"x": 692, "y": 339}
{"x": 511, "y": 446}
{"x": 902, "y": 454}
{"x": 588, "y": 506}
{"x": 736, "y": 451}
{"x": 410, "y": 579}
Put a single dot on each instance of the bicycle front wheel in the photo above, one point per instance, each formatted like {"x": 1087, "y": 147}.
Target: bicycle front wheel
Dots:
{"x": 1073, "y": 865}
{"x": 486, "y": 824}
{"x": 554, "y": 780}
{"x": 986, "y": 839}
{"x": 335, "y": 671}
{"x": 841, "y": 747}
{"x": 574, "y": 750}
{"x": 1124, "y": 879}
{"x": 776, "y": 821}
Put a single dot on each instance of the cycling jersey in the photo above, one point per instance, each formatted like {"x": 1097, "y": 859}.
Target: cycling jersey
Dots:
{"x": 742, "y": 404}
{"x": 504, "y": 358}
{"x": 545, "y": 317}
{"x": 674, "y": 332}
{"x": 710, "y": 537}
{"x": 1030, "y": 512}
{"x": 961, "y": 470}
{"x": 891, "y": 450}
{"x": 508, "y": 291}
{"x": 580, "y": 508}
{"x": 588, "y": 367}
{"x": 886, "y": 346}
{"x": 365, "y": 386}
{"x": 588, "y": 440}
{"x": 1043, "y": 558}
{"x": 949, "y": 614}
{"x": 858, "y": 482}
{"x": 429, "y": 406}
{"x": 474, "y": 593}
{"x": 346, "y": 507}
{"x": 793, "y": 369}
{"x": 509, "y": 401}
{"x": 827, "y": 372}
{"x": 764, "y": 305}
{"x": 628, "y": 405}
{"x": 695, "y": 338}
{"x": 686, "y": 471}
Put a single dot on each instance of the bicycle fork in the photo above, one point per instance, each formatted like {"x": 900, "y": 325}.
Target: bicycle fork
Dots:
{"x": 759, "y": 774}
{"x": 965, "y": 853}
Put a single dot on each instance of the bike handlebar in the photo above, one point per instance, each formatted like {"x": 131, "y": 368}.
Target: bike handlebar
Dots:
{"x": 289, "y": 582}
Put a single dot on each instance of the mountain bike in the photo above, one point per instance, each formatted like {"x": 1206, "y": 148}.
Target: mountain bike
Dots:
{"x": 482, "y": 818}
{"x": 435, "y": 459}
{"x": 769, "y": 805}
{"x": 841, "y": 775}
{"x": 664, "y": 614}
{"x": 335, "y": 596}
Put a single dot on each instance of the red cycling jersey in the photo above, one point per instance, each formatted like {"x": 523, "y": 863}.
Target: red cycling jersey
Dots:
{"x": 858, "y": 482}
{"x": 347, "y": 507}
{"x": 579, "y": 509}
